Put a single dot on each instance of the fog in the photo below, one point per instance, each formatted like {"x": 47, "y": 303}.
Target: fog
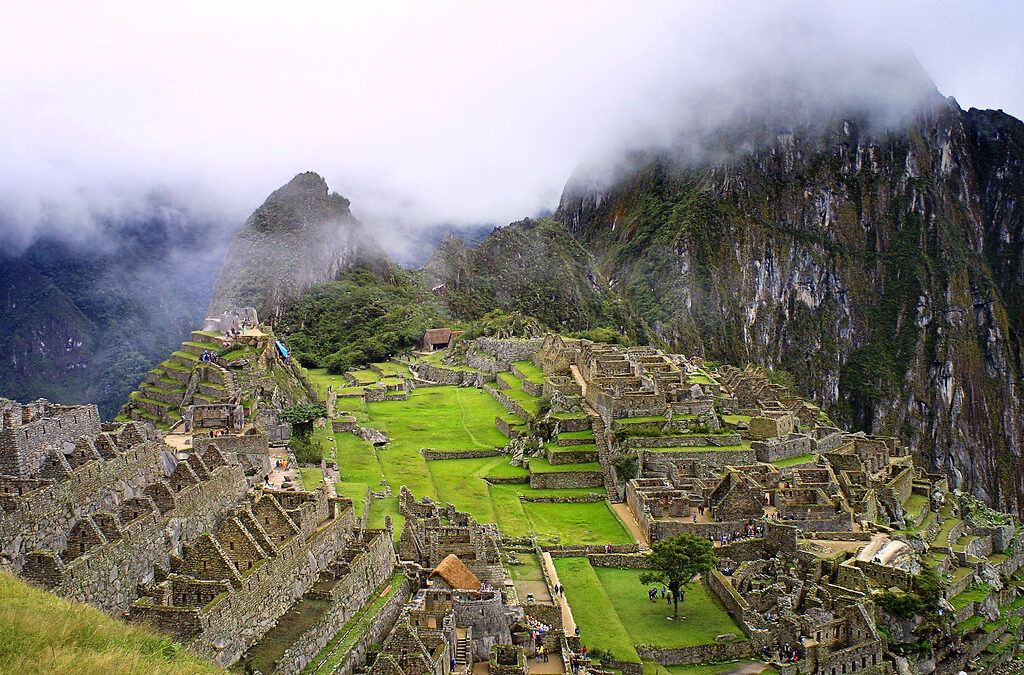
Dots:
{"x": 426, "y": 113}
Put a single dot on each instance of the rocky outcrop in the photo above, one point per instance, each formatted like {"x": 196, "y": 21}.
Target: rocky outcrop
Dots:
{"x": 881, "y": 269}
{"x": 302, "y": 235}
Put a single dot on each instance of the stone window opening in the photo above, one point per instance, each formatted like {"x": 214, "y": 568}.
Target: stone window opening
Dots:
{"x": 231, "y": 545}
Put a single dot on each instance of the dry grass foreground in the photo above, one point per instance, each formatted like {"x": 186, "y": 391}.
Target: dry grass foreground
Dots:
{"x": 41, "y": 633}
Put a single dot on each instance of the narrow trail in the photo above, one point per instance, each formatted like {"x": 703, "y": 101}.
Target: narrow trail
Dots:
{"x": 626, "y": 515}
{"x": 568, "y": 622}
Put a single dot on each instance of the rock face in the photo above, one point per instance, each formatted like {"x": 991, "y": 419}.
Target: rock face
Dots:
{"x": 882, "y": 269}
{"x": 532, "y": 266}
{"x": 301, "y": 236}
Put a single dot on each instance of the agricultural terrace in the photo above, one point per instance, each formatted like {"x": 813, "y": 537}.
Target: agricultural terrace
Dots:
{"x": 612, "y": 609}
{"x": 452, "y": 419}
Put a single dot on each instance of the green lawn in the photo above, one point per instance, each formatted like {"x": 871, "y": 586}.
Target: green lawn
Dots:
{"x": 652, "y": 668}
{"x": 648, "y": 623}
{"x": 914, "y": 506}
{"x": 799, "y": 459}
{"x": 592, "y": 609}
{"x": 365, "y": 376}
{"x": 461, "y": 418}
{"x": 321, "y": 379}
{"x": 540, "y": 465}
{"x": 311, "y": 477}
{"x": 392, "y": 369}
{"x": 613, "y": 611}
{"x": 531, "y": 372}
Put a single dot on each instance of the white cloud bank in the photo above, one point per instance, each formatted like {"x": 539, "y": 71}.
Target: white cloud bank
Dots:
{"x": 418, "y": 111}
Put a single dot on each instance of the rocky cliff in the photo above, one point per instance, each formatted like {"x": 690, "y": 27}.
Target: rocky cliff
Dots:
{"x": 881, "y": 268}
{"x": 302, "y": 235}
{"x": 534, "y": 267}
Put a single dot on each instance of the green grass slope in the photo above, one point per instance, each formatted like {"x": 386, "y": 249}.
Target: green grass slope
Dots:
{"x": 42, "y": 633}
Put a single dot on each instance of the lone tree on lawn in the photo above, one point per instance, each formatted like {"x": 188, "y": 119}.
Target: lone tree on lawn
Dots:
{"x": 301, "y": 418}
{"x": 675, "y": 561}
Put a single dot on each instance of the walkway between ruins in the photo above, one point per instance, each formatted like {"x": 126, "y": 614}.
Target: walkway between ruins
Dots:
{"x": 279, "y": 475}
{"x": 578, "y": 376}
{"x": 568, "y": 623}
{"x": 626, "y": 515}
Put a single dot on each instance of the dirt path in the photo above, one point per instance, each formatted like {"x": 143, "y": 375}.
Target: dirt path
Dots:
{"x": 568, "y": 623}
{"x": 626, "y": 515}
{"x": 579, "y": 378}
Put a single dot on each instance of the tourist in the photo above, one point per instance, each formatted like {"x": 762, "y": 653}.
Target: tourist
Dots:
{"x": 578, "y": 632}
{"x": 540, "y": 653}
{"x": 544, "y": 652}
{"x": 694, "y": 516}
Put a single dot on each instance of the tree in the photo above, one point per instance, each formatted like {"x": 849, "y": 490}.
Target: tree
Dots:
{"x": 675, "y": 561}
{"x": 301, "y": 417}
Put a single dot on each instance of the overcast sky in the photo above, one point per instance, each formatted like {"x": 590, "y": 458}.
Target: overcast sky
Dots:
{"x": 421, "y": 111}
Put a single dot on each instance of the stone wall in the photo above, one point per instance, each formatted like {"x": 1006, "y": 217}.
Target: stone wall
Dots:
{"x": 508, "y": 404}
{"x": 245, "y": 444}
{"x": 710, "y": 653}
{"x": 108, "y": 576}
{"x": 629, "y": 560}
{"x": 557, "y": 480}
{"x": 775, "y": 449}
{"x": 31, "y": 431}
{"x": 449, "y": 376}
{"x": 380, "y": 625}
{"x": 590, "y": 498}
{"x": 430, "y": 453}
{"x": 719, "y": 440}
{"x": 507, "y": 350}
{"x": 42, "y": 517}
{"x": 234, "y": 621}
{"x": 713, "y": 458}
{"x": 367, "y": 571}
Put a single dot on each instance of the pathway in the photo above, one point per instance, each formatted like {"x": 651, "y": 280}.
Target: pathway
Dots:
{"x": 568, "y": 623}
{"x": 278, "y": 476}
{"x": 626, "y": 515}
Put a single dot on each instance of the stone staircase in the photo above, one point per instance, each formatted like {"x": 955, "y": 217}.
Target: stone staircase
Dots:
{"x": 161, "y": 394}
{"x": 604, "y": 451}
{"x": 463, "y": 650}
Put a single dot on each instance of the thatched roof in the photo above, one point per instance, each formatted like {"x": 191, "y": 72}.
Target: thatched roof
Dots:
{"x": 438, "y": 336}
{"x": 456, "y": 574}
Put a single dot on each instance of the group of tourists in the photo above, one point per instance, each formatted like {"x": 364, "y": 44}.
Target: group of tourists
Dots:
{"x": 749, "y": 530}
{"x": 578, "y": 663}
{"x": 215, "y": 433}
{"x": 207, "y": 356}
{"x": 782, "y": 654}
{"x": 666, "y": 594}
{"x": 559, "y": 590}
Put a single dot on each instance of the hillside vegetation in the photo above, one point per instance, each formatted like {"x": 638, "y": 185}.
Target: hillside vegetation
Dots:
{"x": 45, "y": 634}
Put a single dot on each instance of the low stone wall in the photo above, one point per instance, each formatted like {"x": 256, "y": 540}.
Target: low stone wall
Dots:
{"x": 380, "y": 626}
{"x": 508, "y": 350}
{"x": 430, "y": 453}
{"x": 724, "y": 440}
{"x": 556, "y": 457}
{"x": 635, "y": 561}
{"x": 507, "y": 480}
{"x": 480, "y": 361}
{"x": 728, "y": 596}
{"x": 714, "y": 458}
{"x": 368, "y": 570}
{"x": 570, "y": 424}
{"x": 245, "y": 444}
{"x": 574, "y": 499}
{"x": 557, "y": 480}
{"x": 530, "y": 388}
{"x": 582, "y": 550}
{"x": 843, "y": 536}
{"x": 546, "y": 613}
{"x": 775, "y": 449}
{"x": 507, "y": 429}
{"x": 449, "y": 376}
{"x": 712, "y": 653}
{"x": 508, "y": 404}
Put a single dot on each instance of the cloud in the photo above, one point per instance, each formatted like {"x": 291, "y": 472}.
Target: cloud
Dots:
{"x": 423, "y": 112}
